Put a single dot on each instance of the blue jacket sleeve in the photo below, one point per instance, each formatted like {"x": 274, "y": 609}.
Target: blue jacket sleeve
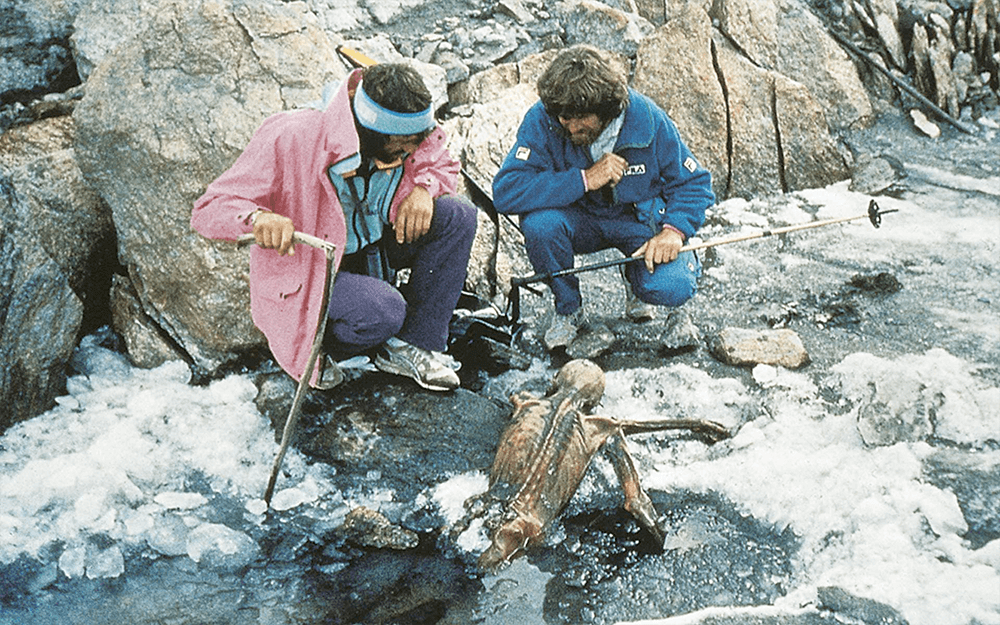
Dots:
{"x": 534, "y": 174}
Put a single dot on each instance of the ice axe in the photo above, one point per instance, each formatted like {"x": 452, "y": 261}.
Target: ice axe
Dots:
{"x": 293, "y": 414}
{"x": 874, "y": 215}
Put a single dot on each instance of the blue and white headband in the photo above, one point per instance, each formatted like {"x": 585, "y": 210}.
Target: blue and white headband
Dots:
{"x": 380, "y": 119}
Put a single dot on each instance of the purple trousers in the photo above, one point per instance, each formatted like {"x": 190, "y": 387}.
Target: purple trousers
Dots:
{"x": 365, "y": 311}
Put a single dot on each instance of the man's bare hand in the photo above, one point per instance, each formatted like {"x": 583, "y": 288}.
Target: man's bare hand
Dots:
{"x": 274, "y": 231}
{"x": 609, "y": 169}
{"x": 662, "y": 248}
{"x": 414, "y": 217}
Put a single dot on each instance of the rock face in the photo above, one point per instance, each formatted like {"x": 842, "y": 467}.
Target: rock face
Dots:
{"x": 55, "y": 236}
{"x": 166, "y": 113}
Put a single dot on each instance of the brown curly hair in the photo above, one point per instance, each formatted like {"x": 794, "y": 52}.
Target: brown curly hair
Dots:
{"x": 581, "y": 81}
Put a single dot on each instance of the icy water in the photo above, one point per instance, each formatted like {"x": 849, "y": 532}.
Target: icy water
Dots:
{"x": 137, "y": 498}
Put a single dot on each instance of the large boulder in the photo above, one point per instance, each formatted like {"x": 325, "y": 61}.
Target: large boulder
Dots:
{"x": 784, "y": 36}
{"x": 809, "y": 55}
{"x": 596, "y": 23}
{"x": 55, "y": 238}
{"x": 674, "y": 67}
{"x": 165, "y": 113}
{"x": 736, "y": 116}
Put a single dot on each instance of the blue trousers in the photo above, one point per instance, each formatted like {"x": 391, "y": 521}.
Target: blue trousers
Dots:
{"x": 553, "y": 235}
{"x": 365, "y": 311}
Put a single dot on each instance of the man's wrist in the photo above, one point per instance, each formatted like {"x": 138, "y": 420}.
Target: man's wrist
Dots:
{"x": 673, "y": 229}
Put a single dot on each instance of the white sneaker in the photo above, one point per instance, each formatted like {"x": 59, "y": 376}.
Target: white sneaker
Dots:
{"x": 422, "y": 366}
{"x": 635, "y": 309}
{"x": 562, "y": 330}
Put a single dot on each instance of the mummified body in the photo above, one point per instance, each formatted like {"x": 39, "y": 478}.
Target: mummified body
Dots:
{"x": 547, "y": 448}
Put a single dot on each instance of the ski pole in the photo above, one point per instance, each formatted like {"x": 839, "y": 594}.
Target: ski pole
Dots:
{"x": 874, "y": 215}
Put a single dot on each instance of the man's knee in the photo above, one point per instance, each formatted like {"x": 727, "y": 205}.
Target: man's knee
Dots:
{"x": 456, "y": 215}
{"x": 544, "y": 224}
{"x": 375, "y": 313}
{"x": 670, "y": 285}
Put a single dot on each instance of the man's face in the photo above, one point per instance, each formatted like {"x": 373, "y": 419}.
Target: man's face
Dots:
{"x": 397, "y": 147}
{"x": 582, "y": 130}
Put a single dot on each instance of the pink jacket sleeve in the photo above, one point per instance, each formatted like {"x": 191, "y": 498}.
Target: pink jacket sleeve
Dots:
{"x": 224, "y": 210}
{"x": 431, "y": 167}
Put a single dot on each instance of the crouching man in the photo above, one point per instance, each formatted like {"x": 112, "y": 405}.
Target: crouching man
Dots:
{"x": 371, "y": 174}
{"x": 597, "y": 165}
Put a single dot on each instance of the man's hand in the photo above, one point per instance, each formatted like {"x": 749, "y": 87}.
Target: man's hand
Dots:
{"x": 662, "y": 248}
{"x": 414, "y": 217}
{"x": 274, "y": 231}
{"x": 609, "y": 169}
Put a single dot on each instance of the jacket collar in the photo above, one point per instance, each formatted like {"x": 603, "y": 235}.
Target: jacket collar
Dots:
{"x": 637, "y": 130}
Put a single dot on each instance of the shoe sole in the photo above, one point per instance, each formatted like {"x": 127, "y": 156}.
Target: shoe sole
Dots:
{"x": 390, "y": 367}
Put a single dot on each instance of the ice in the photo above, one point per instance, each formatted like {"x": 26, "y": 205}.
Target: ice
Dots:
{"x": 103, "y": 563}
{"x": 117, "y": 459}
{"x": 867, "y": 519}
{"x": 220, "y": 547}
{"x": 966, "y": 409}
{"x": 289, "y": 498}
{"x": 180, "y": 501}
{"x": 168, "y": 535}
{"x": 451, "y": 494}
{"x": 73, "y": 561}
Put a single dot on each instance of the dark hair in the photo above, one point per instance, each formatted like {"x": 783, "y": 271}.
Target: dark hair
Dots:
{"x": 581, "y": 81}
{"x": 397, "y": 87}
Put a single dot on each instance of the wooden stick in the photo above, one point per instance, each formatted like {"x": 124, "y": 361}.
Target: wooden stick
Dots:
{"x": 293, "y": 414}
{"x": 902, "y": 85}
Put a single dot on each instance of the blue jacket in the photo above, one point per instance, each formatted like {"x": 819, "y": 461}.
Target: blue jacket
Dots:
{"x": 663, "y": 185}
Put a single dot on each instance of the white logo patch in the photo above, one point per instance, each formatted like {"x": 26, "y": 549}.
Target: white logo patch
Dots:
{"x": 522, "y": 153}
{"x": 635, "y": 170}
{"x": 690, "y": 164}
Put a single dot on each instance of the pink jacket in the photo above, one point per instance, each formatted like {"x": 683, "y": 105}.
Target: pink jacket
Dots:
{"x": 284, "y": 169}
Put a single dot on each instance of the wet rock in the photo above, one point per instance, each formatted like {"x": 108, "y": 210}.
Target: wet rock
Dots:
{"x": 743, "y": 347}
{"x": 385, "y": 588}
{"x": 868, "y": 611}
{"x": 594, "y": 339}
{"x": 680, "y": 333}
{"x": 975, "y": 480}
{"x": 880, "y": 283}
{"x": 367, "y": 528}
{"x": 710, "y": 551}
{"x": 872, "y": 175}
{"x": 53, "y": 230}
{"x": 386, "y": 425}
{"x": 144, "y": 342}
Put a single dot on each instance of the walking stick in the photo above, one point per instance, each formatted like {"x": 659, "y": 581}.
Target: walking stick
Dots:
{"x": 874, "y": 215}
{"x": 293, "y": 414}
